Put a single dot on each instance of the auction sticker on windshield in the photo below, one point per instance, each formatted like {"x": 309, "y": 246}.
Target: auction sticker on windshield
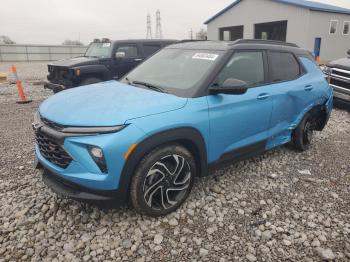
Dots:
{"x": 106, "y": 44}
{"x": 205, "y": 56}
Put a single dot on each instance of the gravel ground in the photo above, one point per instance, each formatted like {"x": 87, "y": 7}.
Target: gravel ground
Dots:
{"x": 280, "y": 206}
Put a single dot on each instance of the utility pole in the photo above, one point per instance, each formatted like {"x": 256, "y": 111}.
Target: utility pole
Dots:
{"x": 191, "y": 34}
{"x": 159, "y": 34}
{"x": 149, "y": 27}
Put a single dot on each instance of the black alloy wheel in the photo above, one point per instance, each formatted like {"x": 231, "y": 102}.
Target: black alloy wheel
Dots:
{"x": 163, "y": 180}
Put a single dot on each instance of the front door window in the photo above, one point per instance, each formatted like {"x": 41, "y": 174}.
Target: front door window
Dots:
{"x": 245, "y": 66}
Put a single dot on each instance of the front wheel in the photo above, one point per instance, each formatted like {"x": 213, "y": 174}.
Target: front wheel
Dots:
{"x": 303, "y": 134}
{"x": 163, "y": 180}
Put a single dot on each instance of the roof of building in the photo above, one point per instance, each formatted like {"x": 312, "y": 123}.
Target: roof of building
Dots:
{"x": 311, "y": 5}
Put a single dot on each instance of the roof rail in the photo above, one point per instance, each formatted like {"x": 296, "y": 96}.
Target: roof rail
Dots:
{"x": 260, "y": 41}
{"x": 188, "y": 40}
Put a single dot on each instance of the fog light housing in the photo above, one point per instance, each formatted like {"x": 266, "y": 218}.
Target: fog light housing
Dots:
{"x": 97, "y": 155}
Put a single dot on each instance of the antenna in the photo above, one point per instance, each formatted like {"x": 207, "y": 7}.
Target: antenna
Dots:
{"x": 149, "y": 27}
{"x": 159, "y": 34}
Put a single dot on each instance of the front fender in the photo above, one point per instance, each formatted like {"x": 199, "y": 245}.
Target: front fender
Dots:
{"x": 196, "y": 145}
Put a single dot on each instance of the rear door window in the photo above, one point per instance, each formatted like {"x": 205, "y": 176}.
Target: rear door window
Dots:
{"x": 150, "y": 49}
{"x": 283, "y": 67}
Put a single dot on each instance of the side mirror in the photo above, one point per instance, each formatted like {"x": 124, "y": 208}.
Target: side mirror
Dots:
{"x": 231, "y": 87}
{"x": 349, "y": 52}
{"x": 120, "y": 55}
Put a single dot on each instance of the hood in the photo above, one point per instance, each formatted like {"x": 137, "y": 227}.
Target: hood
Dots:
{"x": 343, "y": 63}
{"x": 76, "y": 61}
{"x": 106, "y": 104}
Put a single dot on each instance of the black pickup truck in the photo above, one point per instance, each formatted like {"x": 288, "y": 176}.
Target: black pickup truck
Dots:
{"x": 339, "y": 72}
{"x": 103, "y": 60}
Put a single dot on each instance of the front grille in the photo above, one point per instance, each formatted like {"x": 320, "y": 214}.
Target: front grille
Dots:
{"x": 340, "y": 78}
{"x": 338, "y": 82}
{"x": 60, "y": 75}
{"x": 52, "y": 151}
{"x": 341, "y": 73}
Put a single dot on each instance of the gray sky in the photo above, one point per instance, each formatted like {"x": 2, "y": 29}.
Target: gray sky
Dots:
{"x": 53, "y": 21}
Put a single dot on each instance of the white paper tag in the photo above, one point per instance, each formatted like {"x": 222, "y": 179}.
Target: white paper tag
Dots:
{"x": 106, "y": 44}
{"x": 205, "y": 56}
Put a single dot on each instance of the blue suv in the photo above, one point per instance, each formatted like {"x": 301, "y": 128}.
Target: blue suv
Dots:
{"x": 191, "y": 107}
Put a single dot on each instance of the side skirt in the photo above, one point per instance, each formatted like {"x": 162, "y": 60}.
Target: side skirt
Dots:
{"x": 237, "y": 155}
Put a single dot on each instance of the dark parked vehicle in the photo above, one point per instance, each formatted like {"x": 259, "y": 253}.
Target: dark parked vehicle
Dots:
{"x": 339, "y": 72}
{"x": 103, "y": 60}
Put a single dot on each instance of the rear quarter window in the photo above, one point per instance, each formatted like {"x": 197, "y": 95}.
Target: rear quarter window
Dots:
{"x": 283, "y": 67}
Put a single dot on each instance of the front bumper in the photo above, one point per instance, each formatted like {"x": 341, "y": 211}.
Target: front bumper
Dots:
{"x": 54, "y": 87}
{"x": 74, "y": 191}
{"x": 82, "y": 178}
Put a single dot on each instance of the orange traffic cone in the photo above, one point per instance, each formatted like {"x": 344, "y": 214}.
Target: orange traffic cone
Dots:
{"x": 23, "y": 97}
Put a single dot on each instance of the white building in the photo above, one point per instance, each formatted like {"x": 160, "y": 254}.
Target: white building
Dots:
{"x": 321, "y": 28}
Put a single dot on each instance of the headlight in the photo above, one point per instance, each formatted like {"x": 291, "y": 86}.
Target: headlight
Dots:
{"x": 326, "y": 70}
{"x": 97, "y": 155}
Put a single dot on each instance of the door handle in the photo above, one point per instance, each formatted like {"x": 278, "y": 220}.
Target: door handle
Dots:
{"x": 308, "y": 88}
{"x": 137, "y": 59}
{"x": 263, "y": 96}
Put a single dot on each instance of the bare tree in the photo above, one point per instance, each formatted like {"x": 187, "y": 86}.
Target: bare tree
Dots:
{"x": 6, "y": 40}
{"x": 72, "y": 42}
{"x": 201, "y": 34}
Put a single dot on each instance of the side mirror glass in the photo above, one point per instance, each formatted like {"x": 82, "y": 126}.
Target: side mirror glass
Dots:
{"x": 231, "y": 86}
{"x": 120, "y": 55}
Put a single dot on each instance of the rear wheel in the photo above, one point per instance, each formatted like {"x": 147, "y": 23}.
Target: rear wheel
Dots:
{"x": 163, "y": 180}
{"x": 303, "y": 134}
{"x": 89, "y": 81}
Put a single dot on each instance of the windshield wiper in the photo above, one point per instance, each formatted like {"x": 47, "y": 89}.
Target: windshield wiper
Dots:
{"x": 149, "y": 86}
{"x": 128, "y": 81}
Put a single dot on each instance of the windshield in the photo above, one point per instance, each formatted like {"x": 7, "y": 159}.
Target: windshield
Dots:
{"x": 176, "y": 71}
{"x": 101, "y": 50}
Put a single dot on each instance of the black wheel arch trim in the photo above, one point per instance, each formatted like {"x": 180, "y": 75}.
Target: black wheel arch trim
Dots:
{"x": 189, "y": 137}
{"x": 321, "y": 116}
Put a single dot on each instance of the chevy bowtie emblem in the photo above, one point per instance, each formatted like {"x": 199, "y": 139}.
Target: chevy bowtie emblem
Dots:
{"x": 36, "y": 126}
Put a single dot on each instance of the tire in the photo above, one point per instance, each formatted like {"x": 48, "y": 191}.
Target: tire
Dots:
{"x": 163, "y": 169}
{"x": 89, "y": 81}
{"x": 303, "y": 134}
